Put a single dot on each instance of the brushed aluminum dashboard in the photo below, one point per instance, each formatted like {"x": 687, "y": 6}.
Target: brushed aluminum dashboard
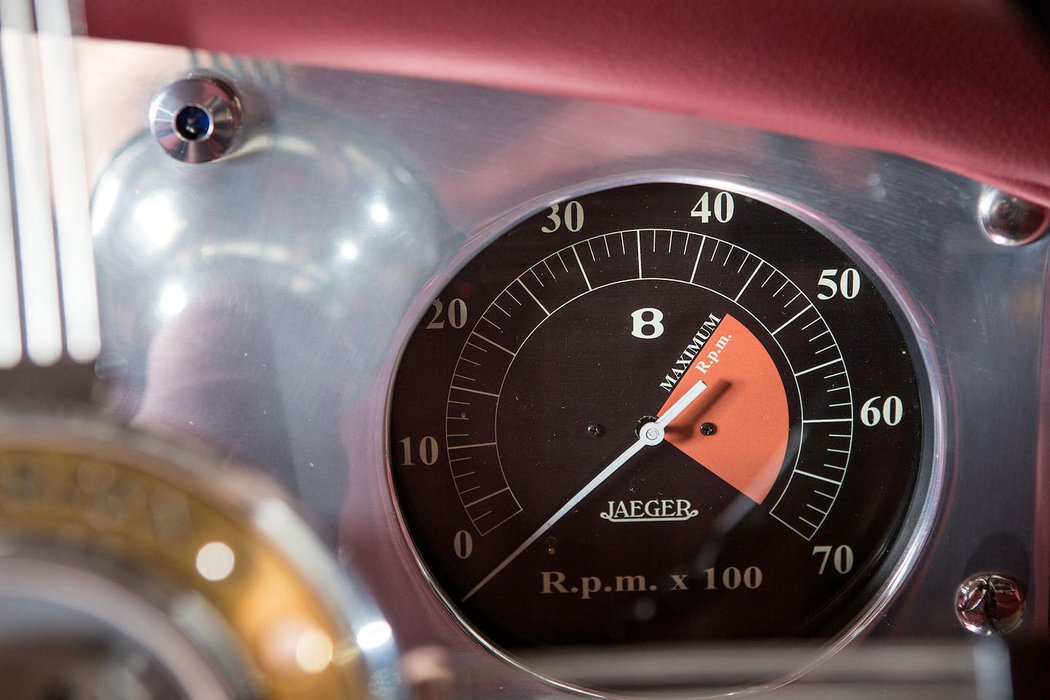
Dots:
{"x": 260, "y": 303}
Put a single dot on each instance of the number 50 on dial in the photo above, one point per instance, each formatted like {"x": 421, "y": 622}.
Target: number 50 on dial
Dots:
{"x": 549, "y": 502}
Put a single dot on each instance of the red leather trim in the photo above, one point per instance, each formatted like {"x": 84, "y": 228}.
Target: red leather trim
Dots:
{"x": 959, "y": 83}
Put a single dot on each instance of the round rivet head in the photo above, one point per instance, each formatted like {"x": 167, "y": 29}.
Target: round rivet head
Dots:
{"x": 988, "y": 604}
{"x": 196, "y": 120}
{"x": 1009, "y": 220}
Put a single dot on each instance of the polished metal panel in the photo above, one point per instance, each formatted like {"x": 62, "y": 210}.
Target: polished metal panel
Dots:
{"x": 260, "y": 302}
{"x": 251, "y": 297}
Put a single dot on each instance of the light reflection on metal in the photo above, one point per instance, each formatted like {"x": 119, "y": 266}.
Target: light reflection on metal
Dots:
{"x": 10, "y": 308}
{"x": 157, "y": 218}
{"x": 215, "y": 561}
{"x": 313, "y": 651}
{"x": 380, "y": 212}
{"x": 68, "y": 182}
{"x": 36, "y": 243}
{"x": 374, "y": 635}
{"x": 45, "y": 194}
{"x": 173, "y": 299}
{"x": 348, "y": 251}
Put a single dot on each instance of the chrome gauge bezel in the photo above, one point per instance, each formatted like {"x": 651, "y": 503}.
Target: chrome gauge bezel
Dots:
{"x": 916, "y": 525}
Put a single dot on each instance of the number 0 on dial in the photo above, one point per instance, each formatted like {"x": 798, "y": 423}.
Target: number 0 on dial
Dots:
{"x": 673, "y": 413}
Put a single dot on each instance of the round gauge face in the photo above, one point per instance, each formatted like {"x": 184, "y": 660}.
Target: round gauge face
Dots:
{"x": 657, "y": 413}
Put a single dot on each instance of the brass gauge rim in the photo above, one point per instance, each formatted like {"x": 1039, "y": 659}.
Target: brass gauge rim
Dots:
{"x": 283, "y": 619}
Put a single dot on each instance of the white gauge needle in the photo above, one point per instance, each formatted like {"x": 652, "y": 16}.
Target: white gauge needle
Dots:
{"x": 650, "y": 434}
{"x": 681, "y": 404}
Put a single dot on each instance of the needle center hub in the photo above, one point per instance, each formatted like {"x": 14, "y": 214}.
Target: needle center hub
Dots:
{"x": 651, "y": 433}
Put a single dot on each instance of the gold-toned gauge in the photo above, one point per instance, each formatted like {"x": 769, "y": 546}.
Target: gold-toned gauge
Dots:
{"x": 132, "y": 568}
{"x": 660, "y": 413}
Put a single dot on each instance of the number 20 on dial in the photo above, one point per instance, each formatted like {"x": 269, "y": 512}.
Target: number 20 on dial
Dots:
{"x": 658, "y": 413}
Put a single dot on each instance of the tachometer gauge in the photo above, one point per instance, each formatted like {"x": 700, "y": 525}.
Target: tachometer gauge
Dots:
{"x": 659, "y": 413}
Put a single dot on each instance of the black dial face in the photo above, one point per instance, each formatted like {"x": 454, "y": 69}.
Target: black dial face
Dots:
{"x": 657, "y": 413}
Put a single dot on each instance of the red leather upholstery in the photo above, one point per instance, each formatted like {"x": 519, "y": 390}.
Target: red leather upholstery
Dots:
{"x": 959, "y": 83}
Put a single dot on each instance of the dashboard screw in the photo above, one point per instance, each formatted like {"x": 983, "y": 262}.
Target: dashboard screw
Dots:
{"x": 708, "y": 428}
{"x": 195, "y": 120}
{"x": 594, "y": 429}
{"x": 989, "y": 604}
{"x": 1009, "y": 220}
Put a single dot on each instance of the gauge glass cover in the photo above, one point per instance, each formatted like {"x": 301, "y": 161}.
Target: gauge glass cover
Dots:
{"x": 658, "y": 413}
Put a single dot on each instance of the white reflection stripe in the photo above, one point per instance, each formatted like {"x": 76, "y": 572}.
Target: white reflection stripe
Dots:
{"x": 69, "y": 180}
{"x": 36, "y": 241}
{"x": 10, "y": 311}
